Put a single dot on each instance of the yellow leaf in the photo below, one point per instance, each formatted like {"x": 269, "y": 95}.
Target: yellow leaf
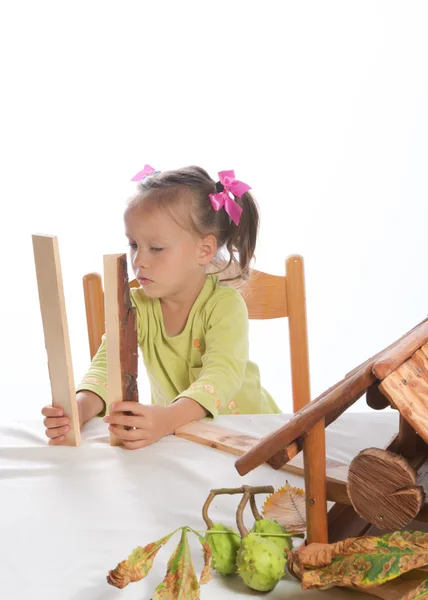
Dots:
{"x": 363, "y": 561}
{"x": 137, "y": 565}
{"x": 180, "y": 582}
{"x": 287, "y": 506}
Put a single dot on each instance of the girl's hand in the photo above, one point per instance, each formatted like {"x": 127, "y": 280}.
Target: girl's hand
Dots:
{"x": 57, "y": 424}
{"x": 149, "y": 423}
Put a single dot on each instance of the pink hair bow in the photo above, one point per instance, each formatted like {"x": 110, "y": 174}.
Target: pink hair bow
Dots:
{"x": 148, "y": 170}
{"x": 225, "y": 199}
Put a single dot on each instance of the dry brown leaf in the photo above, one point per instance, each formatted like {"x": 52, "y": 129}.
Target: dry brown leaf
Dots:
{"x": 287, "y": 506}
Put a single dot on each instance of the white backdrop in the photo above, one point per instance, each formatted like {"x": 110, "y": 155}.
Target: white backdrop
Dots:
{"x": 320, "y": 106}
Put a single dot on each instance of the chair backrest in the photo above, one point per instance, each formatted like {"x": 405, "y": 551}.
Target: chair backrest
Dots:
{"x": 266, "y": 296}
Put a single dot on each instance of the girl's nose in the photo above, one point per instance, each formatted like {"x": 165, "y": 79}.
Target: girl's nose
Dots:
{"x": 140, "y": 259}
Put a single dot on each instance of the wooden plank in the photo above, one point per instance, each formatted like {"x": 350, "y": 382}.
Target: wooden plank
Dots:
{"x": 121, "y": 335}
{"x": 401, "y": 352}
{"x": 407, "y": 389}
{"x": 236, "y": 443}
{"x": 55, "y": 327}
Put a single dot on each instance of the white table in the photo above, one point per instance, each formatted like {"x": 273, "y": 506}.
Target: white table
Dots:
{"x": 69, "y": 515}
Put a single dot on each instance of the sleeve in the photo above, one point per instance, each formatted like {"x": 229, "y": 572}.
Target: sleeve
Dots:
{"x": 95, "y": 380}
{"x": 225, "y": 358}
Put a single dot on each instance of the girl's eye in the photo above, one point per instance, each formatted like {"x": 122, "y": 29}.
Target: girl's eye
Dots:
{"x": 132, "y": 245}
{"x": 156, "y": 249}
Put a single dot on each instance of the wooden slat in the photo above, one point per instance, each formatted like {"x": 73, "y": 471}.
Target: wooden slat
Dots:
{"x": 407, "y": 389}
{"x": 265, "y": 296}
{"x": 236, "y": 443}
{"x": 55, "y": 327}
{"x": 94, "y": 305}
{"x": 401, "y": 351}
{"x": 121, "y": 332}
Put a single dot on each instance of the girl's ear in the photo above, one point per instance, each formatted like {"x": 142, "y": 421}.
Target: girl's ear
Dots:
{"x": 207, "y": 249}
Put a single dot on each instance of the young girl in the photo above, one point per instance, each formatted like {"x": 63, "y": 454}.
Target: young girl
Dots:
{"x": 192, "y": 329}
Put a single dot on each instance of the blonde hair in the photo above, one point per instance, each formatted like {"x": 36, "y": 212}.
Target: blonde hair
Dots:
{"x": 169, "y": 191}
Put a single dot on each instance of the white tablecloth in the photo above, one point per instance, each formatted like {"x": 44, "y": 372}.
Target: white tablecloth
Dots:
{"x": 69, "y": 515}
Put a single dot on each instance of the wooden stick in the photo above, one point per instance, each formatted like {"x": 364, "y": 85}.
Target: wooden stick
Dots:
{"x": 121, "y": 332}
{"x": 94, "y": 304}
{"x": 314, "y": 443}
{"x": 55, "y": 327}
{"x": 403, "y": 350}
{"x": 329, "y": 406}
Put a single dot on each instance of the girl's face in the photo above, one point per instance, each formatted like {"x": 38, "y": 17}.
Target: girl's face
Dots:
{"x": 166, "y": 259}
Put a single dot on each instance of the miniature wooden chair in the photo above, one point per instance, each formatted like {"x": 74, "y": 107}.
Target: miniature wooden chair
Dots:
{"x": 267, "y": 297}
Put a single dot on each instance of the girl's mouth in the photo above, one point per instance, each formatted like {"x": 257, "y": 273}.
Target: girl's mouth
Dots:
{"x": 144, "y": 281}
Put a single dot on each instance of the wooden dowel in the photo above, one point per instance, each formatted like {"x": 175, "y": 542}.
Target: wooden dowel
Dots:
{"x": 314, "y": 443}
{"x": 94, "y": 305}
{"x": 315, "y": 485}
{"x": 299, "y": 354}
{"x": 121, "y": 332}
{"x": 55, "y": 327}
{"x": 401, "y": 351}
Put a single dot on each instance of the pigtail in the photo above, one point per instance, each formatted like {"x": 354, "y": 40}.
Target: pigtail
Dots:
{"x": 241, "y": 241}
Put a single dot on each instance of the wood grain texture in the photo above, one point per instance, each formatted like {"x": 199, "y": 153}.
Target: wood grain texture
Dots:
{"x": 375, "y": 399}
{"x": 94, "y": 306}
{"x": 121, "y": 335}
{"x": 315, "y": 485}
{"x": 403, "y": 588}
{"x": 401, "y": 351}
{"x": 55, "y": 328}
{"x": 382, "y": 488}
{"x": 236, "y": 443}
{"x": 407, "y": 390}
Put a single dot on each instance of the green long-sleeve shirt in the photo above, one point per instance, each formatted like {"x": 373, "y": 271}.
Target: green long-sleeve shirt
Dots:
{"x": 208, "y": 361}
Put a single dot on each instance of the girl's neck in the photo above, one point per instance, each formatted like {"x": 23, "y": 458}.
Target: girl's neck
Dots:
{"x": 184, "y": 299}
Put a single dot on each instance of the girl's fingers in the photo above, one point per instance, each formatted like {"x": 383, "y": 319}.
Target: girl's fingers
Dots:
{"x": 130, "y": 421}
{"x": 53, "y": 422}
{"x": 135, "y": 407}
{"x": 131, "y": 435}
{"x": 136, "y": 445}
{"x": 57, "y": 432}
{"x": 56, "y": 441}
{"x": 52, "y": 411}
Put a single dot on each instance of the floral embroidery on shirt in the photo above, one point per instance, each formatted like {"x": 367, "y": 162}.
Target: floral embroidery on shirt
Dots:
{"x": 232, "y": 405}
{"x": 193, "y": 386}
{"x": 106, "y": 386}
{"x": 218, "y": 403}
{"x": 209, "y": 388}
{"x": 196, "y": 343}
{"x": 91, "y": 380}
